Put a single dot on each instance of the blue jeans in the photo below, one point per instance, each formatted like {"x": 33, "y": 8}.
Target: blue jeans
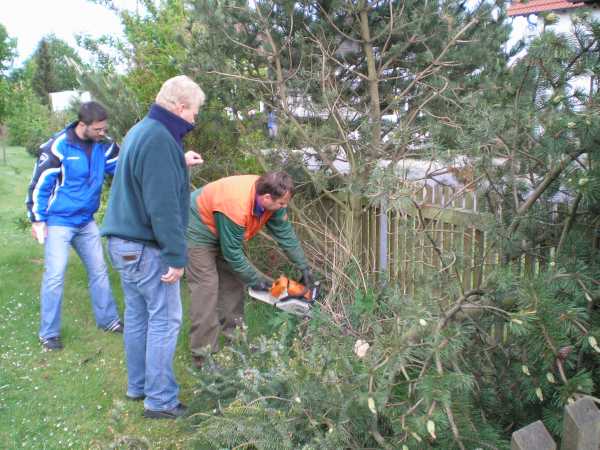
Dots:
{"x": 152, "y": 323}
{"x": 87, "y": 244}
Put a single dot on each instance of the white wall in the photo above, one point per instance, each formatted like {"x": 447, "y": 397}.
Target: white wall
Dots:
{"x": 62, "y": 100}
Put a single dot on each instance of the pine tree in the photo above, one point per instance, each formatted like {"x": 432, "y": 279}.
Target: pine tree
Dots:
{"x": 353, "y": 84}
{"x": 53, "y": 69}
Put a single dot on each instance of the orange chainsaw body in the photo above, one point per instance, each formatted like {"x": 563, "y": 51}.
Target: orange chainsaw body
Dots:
{"x": 283, "y": 286}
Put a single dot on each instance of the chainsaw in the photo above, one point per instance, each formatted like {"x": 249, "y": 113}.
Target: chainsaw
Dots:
{"x": 289, "y": 296}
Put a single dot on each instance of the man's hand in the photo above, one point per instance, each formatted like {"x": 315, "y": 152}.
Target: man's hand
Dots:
{"x": 307, "y": 278}
{"x": 172, "y": 276}
{"x": 192, "y": 158}
{"x": 262, "y": 285}
{"x": 39, "y": 231}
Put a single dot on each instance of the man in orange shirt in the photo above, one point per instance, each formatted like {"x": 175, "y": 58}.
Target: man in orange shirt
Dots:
{"x": 224, "y": 214}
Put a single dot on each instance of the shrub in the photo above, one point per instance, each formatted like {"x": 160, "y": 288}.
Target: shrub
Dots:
{"x": 29, "y": 122}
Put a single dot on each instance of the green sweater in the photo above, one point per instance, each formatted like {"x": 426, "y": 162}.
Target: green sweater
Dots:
{"x": 231, "y": 239}
{"x": 149, "y": 198}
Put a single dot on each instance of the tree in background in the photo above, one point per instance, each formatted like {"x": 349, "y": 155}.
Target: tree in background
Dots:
{"x": 52, "y": 67}
{"x": 156, "y": 48}
{"x": 7, "y": 51}
{"x": 7, "y": 54}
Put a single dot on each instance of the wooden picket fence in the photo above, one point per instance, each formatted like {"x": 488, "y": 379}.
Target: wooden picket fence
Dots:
{"x": 439, "y": 229}
{"x": 436, "y": 230}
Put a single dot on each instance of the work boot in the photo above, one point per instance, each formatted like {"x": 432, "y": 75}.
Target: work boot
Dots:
{"x": 174, "y": 413}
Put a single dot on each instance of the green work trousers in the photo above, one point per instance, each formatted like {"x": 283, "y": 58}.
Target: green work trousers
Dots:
{"x": 217, "y": 298}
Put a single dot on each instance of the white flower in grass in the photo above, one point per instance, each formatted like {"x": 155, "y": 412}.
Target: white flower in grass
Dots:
{"x": 360, "y": 348}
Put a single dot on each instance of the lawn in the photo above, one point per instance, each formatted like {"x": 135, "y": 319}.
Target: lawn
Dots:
{"x": 73, "y": 398}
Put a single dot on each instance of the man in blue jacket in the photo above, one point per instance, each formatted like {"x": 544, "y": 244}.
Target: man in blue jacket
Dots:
{"x": 63, "y": 196}
{"x": 145, "y": 222}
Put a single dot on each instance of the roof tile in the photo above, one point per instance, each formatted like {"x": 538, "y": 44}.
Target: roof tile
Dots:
{"x": 520, "y": 7}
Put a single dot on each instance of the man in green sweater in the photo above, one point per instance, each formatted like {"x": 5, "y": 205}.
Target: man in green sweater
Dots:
{"x": 145, "y": 222}
{"x": 224, "y": 214}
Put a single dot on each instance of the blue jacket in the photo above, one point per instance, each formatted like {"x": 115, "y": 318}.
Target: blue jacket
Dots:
{"x": 67, "y": 179}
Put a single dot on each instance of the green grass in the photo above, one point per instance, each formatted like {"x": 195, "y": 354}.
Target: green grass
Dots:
{"x": 73, "y": 398}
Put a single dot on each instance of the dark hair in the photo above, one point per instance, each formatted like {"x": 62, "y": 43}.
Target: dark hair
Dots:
{"x": 90, "y": 112}
{"x": 277, "y": 184}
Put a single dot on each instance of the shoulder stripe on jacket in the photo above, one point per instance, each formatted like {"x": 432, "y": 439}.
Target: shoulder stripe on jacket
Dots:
{"x": 42, "y": 181}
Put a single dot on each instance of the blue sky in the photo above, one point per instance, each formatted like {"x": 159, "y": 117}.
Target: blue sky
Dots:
{"x": 29, "y": 20}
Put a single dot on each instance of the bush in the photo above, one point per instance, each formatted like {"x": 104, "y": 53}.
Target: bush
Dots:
{"x": 29, "y": 122}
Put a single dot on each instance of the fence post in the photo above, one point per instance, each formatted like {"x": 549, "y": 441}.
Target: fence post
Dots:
{"x": 534, "y": 436}
{"x": 383, "y": 239}
{"x": 581, "y": 426}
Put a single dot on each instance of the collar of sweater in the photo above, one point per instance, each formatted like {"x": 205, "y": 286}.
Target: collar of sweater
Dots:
{"x": 258, "y": 209}
{"x": 87, "y": 145}
{"x": 177, "y": 126}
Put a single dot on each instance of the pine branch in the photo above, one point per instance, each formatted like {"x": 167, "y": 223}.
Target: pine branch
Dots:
{"x": 551, "y": 175}
{"x": 568, "y": 225}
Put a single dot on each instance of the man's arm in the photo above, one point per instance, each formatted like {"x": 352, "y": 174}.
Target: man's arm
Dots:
{"x": 280, "y": 228}
{"x": 43, "y": 182}
{"x": 231, "y": 238}
{"x": 161, "y": 181}
{"x": 111, "y": 156}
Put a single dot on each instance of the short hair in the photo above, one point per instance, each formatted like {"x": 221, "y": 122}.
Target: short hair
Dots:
{"x": 180, "y": 89}
{"x": 90, "y": 112}
{"x": 277, "y": 184}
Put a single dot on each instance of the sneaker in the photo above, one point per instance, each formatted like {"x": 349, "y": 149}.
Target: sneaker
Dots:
{"x": 174, "y": 413}
{"x": 135, "y": 398}
{"x": 198, "y": 361}
{"x": 51, "y": 344}
{"x": 116, "y": 327}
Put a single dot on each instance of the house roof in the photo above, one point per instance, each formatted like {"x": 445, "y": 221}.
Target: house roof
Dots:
{"x": 524, "y": 7}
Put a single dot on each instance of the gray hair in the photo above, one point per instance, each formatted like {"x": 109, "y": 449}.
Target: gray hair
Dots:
{"x": 180, "y": 89}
